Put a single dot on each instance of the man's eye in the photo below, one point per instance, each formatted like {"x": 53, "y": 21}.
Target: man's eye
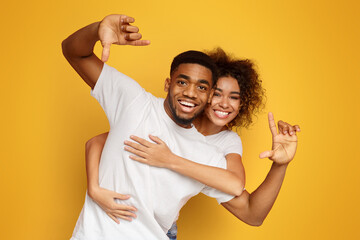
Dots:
{"x": 217, "y": 94}
{"x": 202, "y": 88}
{"x": 181, "y": 82}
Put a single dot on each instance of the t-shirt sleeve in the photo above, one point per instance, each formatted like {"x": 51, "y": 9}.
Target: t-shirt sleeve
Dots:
{"x": 115, "y": 92}
{"x": 233, "y": 144}
{"x": 214, "y": 193}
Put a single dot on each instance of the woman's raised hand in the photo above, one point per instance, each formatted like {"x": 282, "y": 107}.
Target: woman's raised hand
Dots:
{"x": 284, "y": 141}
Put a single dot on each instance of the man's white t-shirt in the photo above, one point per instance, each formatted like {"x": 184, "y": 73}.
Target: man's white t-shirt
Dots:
{"x": 157, "y": 193}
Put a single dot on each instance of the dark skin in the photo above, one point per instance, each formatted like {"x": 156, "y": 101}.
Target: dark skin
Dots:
{"x": 188, "y": 90}
{"x": 116, "y": 29}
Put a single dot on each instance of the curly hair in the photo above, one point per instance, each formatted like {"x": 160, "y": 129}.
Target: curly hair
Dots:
{"x": 252, "y": 94}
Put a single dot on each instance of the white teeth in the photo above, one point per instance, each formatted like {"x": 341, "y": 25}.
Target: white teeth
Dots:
{"x": 222, "y": 113}
{"x": 187, "y": 104}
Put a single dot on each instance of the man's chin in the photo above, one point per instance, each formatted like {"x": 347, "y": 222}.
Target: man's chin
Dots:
{"x": 184, "y": 121}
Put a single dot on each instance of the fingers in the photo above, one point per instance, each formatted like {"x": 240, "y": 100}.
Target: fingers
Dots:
{"x": 283, "y": 127}
{"x": 267, "y": 154}
{"x": 140, "y": 43}
{"x": 121, "y": 196}
{"x": 156, "y": 139}
{"x": 126, "y": 19}
{"x": 135, "y": 145}
{"x": 286, "y": 128}
{"x": 134, "y": 39}
{"x": 141, "y": 141}
{"x": 123, "y": 217}
{"x": 105, "y": 52}
{"x": 132, "y": 34}
{"x": 119, "y": 213}
{"x": 139, "y": 159}
{"x": 113, "y": 218}
{"x": 124, "y": 207}
{"x": 129, "y": 29}
{"x": 272, "y": 124}
{"x": 136, "y": 152}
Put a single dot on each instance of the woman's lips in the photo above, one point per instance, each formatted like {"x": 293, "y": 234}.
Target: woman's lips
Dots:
{"x": 221, "y": 114}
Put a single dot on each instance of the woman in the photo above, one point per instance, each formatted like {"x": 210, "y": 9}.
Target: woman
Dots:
{"x": 237, "y": 96}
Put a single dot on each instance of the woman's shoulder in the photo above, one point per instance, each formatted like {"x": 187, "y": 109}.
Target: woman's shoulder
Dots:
{"x": 226, "y": 137}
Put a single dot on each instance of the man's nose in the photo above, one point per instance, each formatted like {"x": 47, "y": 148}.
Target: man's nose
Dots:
{"x": 190, "y": 91}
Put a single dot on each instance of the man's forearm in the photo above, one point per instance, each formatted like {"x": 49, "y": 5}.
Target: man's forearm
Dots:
{"x": 81, "y": 43}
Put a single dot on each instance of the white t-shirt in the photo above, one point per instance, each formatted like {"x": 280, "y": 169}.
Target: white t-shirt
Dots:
{"x": 157, "y": 193}
{"x": 226, "y": 141}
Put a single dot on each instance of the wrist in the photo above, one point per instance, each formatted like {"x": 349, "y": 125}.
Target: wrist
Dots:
{"x": 174, "y": 162}
{"x": 92, "y": 190}
{"x": 279, "y": 166}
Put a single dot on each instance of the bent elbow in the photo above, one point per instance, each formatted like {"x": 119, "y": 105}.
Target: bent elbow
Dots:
{"x": 238, "y": 189}
{"x": 89, "y": 144}
{"x": 64, "y": 48}
{"x": 255, "y": 222}
{"x": 237, "y": 192}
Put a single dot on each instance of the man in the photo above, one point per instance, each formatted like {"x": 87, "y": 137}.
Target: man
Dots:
{"x": 131, "y": 110}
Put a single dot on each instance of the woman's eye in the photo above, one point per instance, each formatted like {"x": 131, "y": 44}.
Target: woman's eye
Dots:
{"x": 235, "y": 98}
{"x": 216, "y": 94}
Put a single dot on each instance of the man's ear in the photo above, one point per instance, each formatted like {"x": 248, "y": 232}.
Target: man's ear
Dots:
{"x": 211, "y": 95}
{"x": 167, "y": 84}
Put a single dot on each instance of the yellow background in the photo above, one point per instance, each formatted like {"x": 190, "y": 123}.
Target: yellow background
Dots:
{"x": 307, "y": 53}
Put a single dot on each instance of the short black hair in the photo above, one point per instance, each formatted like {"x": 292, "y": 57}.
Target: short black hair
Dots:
{"x": 195, "y": 57}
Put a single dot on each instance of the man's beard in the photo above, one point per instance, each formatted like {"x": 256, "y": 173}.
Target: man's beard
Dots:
{"x": 179, "y": 120}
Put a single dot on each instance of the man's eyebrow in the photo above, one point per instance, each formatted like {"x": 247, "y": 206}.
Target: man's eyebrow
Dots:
{"x": 203, "y": 81}
{"x": 183, "y": 76}
{"x": 186, "y": 77}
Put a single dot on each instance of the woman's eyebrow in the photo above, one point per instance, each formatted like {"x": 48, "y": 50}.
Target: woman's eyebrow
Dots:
{"x": 220, "y": 90}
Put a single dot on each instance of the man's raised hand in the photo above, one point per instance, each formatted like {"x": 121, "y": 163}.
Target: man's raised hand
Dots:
{"x": 284, "y": 142}
{"x": 116, "y": 29}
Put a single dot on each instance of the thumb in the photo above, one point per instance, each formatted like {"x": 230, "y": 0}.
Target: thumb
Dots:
{"x": 121, "y": 196}
{"x": 266, "y": 154}
{"x": 105, "y": 52}
{"x": 155, "y": 139}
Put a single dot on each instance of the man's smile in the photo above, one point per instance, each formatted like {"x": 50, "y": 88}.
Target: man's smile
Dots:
{"x": 187, "y": 106}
